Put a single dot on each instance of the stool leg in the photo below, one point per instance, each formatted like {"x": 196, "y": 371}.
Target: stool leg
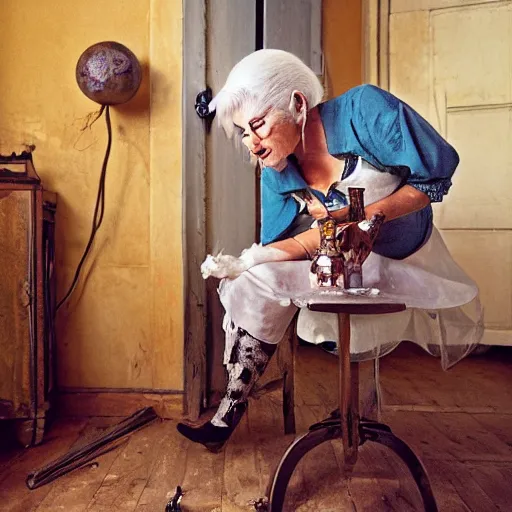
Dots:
{"x": 348, "y": 393}
{"x": 286, "y": 362}
{"x": 289, "y": 403}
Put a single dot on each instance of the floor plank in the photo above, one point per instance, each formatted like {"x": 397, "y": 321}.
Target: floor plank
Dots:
{"x": 448, "y": 436}
{"x": 127, "y": 477}
{"x": 241, "y": 480}
{"x": 459, "y": 477}
{"x": 492, "y": 480}
{"x": 202, "y": 478}
{"x": 168, "y": 470}
{"x": 382, "y": 482}
{"x": 499, "y": 424}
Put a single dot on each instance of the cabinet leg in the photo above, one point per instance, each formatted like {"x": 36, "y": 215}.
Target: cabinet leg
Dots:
{"x": 30, "y": 432}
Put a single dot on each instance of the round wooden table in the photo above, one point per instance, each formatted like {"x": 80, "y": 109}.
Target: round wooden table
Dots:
{"x": 345, "y": 421}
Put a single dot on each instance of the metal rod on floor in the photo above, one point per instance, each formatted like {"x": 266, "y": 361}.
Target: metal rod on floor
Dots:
{"x": 80, "y": 456}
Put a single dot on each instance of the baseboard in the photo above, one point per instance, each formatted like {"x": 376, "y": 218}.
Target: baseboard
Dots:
{"x": 87, "y": 403}
{"x": 497, "y": 337}
{"x": 445, "y": 409}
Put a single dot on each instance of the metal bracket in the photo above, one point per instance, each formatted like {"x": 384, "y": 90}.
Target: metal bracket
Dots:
{"x": 202, "y": 101}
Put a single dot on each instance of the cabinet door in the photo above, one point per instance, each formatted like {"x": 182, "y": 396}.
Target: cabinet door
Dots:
{"x": 15, "y": 284}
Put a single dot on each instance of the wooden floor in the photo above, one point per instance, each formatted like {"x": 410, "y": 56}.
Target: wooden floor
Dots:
{"x": 458, "y": 422}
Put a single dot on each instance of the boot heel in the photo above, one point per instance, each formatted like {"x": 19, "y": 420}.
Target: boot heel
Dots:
{"x": 211, "y": 437}
{"x": 215, "y": 447}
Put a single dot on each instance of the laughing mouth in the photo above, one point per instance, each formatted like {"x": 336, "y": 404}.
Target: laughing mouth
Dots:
{"x": 264, "y": 154}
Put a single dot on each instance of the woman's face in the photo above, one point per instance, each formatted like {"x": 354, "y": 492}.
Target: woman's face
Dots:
{"x": 271, "y": 136}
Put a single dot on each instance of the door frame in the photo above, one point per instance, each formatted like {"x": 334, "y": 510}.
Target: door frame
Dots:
{"x": 194, "y": 214}
{"x": 203, "y": 211}
{"x": 376, "y": 42}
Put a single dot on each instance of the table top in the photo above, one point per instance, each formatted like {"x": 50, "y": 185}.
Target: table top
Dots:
{"x": 373, "y": 307}
{"x": 365, "y": 301}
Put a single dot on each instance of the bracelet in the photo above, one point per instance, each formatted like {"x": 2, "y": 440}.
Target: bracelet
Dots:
{"x": 305, "y": 250}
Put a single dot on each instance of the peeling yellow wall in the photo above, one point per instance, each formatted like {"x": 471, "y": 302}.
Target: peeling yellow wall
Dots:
{"x": 123, "y": 327}
{"x": 342, "y": 45}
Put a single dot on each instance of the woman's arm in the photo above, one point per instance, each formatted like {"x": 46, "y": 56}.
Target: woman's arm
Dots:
{"x": 405, "y": 200}
{"x": 300, "y": 247}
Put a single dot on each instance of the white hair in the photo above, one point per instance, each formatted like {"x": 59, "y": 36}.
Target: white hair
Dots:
{"x": 264, "y": 80}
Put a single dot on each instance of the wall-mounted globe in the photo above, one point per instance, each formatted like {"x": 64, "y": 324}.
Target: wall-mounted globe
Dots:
{"x": 108, "y": 73}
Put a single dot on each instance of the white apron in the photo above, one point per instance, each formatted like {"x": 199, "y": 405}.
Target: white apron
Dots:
{"x": 443, "y": 312}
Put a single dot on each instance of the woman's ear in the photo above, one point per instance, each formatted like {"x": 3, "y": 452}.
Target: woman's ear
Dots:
{"x": 298, "y": 104}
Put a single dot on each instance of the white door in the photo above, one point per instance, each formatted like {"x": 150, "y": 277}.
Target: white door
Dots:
{"x": 452, "y": 61}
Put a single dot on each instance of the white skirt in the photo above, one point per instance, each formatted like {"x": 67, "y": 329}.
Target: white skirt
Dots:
{"x": 443, "y": 313}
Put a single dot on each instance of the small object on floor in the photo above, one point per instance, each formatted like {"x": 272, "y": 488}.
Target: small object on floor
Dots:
{"x": 260, "y": 505}
{"x": 174, "y": 502}
{"x": 79, "y": 456}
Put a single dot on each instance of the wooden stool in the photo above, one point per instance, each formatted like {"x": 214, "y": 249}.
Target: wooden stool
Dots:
{"x": 345, "y": 422}
{"x": 281, "y": 375}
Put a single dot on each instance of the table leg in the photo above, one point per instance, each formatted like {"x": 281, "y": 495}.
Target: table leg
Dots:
{"x": 348, "y": 393}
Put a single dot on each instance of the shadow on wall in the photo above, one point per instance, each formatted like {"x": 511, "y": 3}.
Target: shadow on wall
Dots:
{"x": 140, "y": 103}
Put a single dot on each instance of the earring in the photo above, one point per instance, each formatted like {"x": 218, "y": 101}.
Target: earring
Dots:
{"x": 303, "y": 129}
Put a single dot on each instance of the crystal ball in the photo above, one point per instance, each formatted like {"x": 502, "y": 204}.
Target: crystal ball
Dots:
{"x": 108, "y": 73}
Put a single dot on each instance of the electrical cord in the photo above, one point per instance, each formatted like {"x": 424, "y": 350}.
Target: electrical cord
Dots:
{"x": 99, "y": 209}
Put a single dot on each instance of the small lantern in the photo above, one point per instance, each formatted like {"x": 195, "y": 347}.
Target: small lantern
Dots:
{"x": 27, "y": 296}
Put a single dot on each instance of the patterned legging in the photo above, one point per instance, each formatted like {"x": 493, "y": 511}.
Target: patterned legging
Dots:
{"x": 248, "y": 360}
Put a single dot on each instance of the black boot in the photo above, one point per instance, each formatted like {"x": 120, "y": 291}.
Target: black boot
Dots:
{"x": 212, "y": 437}
{"x": 249, "y": 358}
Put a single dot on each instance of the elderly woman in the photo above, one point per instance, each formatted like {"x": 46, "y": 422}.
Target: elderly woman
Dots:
{"x": 311, "y": 152}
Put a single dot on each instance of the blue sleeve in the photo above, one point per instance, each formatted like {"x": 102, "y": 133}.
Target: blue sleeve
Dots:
{"x": 399, "y": 137}
{"x": 277, "y": 210}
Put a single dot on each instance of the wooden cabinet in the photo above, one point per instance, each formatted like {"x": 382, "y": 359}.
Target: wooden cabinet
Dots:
{"x": 27, "y": 297}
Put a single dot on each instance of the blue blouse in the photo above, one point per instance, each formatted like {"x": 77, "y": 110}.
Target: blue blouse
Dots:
{"x": 371, "y": 123}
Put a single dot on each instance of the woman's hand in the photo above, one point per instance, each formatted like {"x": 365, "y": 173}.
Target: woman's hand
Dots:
{"x": 355, "y": 239}
{"x": 221, "y": 266}
{"x": 315, "y": 207}
{"x": 227, "y": 266}
{"x": 318, "y": 210}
